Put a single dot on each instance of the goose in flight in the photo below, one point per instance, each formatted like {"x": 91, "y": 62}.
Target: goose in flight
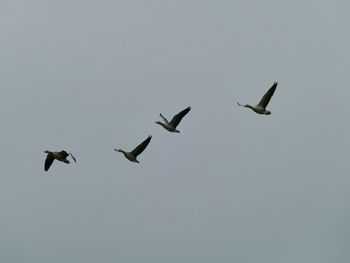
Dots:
{"x": 60, "y": 156}
{"x": 171, "y": 126}
{"x": 261, "y": 106}
{"x": 132, "y": 156}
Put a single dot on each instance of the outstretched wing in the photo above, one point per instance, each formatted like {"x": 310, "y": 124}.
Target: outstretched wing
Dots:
{"x": 75, "y": 160}
{"x": 49, "y": 160}
{"x": 267, "y": 97}
{"x": 139, "y": 149}
{"x": 178, "y": 117}
{"x": 164, "y": 119}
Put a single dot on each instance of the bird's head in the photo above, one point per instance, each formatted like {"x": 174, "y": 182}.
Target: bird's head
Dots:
{"x": 119, "y": 150}
{"x": 160, "y": 123}
{"x": 47, "y": 151}
{"x": 66, "y": 161}
{"x": 267, "y": 112}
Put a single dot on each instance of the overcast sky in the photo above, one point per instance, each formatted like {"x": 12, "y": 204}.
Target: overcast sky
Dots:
{"x": 233, "y": 186}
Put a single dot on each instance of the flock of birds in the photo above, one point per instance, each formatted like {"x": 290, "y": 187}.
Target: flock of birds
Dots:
{"x": 171, "y": 126}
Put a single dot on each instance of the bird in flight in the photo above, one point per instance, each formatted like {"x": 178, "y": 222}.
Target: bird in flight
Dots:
{"x": 261, "y": 106}
{"x": 60, "y": 156}
{"x": 132, "y": 156}
{"x": 171, "y": 126}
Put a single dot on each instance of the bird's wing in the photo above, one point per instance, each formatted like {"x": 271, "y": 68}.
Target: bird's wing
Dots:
{"x": 64, "y": 154}
{"x": 266, "y": 98}
{"x": 178, "y": 117}
{"x": 139, "y": 149}
{"x": 75, "y": 160}
{"x": 164, "y": 119}
{"x": 49, "y": 160}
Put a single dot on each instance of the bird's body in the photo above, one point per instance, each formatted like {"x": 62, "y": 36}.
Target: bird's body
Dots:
{"x": 260, "y": 108}
{"x": 256, "y": 108}
{"x": 60, "y": 156}
{"x": 171, "y": 126}
{"x": 132, "y": 156}
{"x": 128, "y": 155}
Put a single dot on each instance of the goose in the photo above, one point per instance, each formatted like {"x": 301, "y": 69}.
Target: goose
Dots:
{"x": 261, "y": 106}
{"x": 60, "y": 156}
{"x": 132, "y": 156}
{"x": 171, "y": 126}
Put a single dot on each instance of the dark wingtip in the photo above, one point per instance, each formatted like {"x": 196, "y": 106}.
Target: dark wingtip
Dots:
{"x": 74, "y": 159}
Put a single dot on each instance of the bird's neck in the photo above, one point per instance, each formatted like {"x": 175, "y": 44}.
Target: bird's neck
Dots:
{"x": 121, "y": 151}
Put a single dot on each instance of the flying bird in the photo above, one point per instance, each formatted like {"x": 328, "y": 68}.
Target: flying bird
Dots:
{"x": 261, "y": 106}
{"x": 60, "y": 156}
{"x": 132, "y": 156}
{"x": 171, "y": 126}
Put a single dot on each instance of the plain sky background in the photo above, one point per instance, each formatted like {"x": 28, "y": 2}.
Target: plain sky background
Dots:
{"x": 233, "y": 186}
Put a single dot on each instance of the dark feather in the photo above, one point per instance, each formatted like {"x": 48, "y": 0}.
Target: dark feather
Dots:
{"x": 64, "y": 154}
{"x": 75, "y": 160}
{"x": 139, "y": 149}
{"x": 178, "y": 117}
{"x": 49, "y": 160}
{"x": 268, "y": 95}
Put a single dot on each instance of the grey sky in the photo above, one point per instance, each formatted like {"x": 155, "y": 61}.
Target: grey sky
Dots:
{"x": 233, "y": 186}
